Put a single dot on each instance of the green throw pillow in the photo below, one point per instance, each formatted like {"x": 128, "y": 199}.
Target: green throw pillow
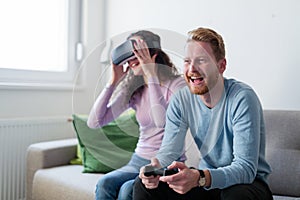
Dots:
{"x": 78, "y": 159}
{"x": 107, "y": 148}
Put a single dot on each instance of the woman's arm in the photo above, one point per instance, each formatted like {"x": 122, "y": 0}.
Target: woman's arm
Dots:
{"x": 103, "y": 111}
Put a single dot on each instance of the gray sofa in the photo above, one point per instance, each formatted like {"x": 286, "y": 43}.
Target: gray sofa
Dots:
{"x": 50, "y": 177}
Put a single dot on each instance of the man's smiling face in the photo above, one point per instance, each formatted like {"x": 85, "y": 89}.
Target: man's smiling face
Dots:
{"x": 200, "y": 67}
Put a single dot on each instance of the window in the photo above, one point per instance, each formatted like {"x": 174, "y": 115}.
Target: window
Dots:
{"x": 40, "y": 42}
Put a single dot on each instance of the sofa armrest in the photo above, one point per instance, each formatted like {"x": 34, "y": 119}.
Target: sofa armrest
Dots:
{"x": 48, "y": 154}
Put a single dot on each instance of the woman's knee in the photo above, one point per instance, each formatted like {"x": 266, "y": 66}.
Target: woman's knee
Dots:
{"x": 126, "y": 190}
{"x": 104, "y": 183}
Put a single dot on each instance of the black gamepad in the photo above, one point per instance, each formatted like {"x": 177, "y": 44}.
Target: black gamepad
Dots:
{"x": 150, "y": 170}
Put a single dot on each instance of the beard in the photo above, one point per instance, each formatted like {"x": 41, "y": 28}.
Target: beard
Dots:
{"x": 198, "y": 90}
{"x": 209, "y": 82}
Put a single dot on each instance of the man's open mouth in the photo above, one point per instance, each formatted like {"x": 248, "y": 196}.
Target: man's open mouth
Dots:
{"x": 196, "y": 79}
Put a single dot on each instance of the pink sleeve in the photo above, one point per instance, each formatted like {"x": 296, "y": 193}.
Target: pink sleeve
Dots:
{"x": 104, "y": 111}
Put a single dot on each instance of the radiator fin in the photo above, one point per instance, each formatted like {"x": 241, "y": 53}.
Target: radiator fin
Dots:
{"x": 15, "y": 137}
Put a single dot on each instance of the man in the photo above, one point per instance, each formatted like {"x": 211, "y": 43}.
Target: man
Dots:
{"x": 225, "y": 118}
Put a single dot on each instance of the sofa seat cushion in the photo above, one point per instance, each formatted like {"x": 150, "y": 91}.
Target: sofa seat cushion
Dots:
{"x": 285, "y": 178}
{"x": 64, "y": 182}
{"x": 275, "y": 197}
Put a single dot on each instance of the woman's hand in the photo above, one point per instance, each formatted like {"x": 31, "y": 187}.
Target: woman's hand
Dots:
{"x": 146, "y": 61}
{"x": 117, "y": 73}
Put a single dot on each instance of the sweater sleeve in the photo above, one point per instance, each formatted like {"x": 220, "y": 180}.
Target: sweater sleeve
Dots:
{"x": 104, "y": 111}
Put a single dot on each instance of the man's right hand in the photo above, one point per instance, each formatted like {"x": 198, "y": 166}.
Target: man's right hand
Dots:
{"x": 150, "y": 182}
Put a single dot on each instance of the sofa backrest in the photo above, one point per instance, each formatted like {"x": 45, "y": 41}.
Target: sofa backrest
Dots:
{"x": 283, "y": 151}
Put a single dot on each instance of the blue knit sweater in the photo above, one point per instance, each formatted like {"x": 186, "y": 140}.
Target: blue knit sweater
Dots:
{"x": 230, "y": 136}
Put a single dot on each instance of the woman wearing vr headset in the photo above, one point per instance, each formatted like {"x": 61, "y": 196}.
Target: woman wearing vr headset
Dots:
{"x": 146, "y": 86}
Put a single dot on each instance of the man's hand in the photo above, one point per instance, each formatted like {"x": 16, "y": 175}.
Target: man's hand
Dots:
{"x": 183, "y": 181}
{"x": 150, "y": 182}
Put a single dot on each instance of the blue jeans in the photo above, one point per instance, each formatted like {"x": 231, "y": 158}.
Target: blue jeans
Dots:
{"x": 119, "y": 183}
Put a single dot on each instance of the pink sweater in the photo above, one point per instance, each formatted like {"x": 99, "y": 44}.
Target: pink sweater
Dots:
{"x": 150, "y": 107}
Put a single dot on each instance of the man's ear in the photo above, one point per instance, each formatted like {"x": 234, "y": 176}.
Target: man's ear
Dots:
{"x": 222, "y": 65}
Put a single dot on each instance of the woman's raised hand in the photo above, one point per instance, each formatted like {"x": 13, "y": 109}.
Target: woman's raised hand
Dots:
{"x": 117, "y": 73}
{"x": 146, "y": 61}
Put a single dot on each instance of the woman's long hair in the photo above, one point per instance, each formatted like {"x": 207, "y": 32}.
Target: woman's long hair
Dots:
{"x": 166, "y": 70}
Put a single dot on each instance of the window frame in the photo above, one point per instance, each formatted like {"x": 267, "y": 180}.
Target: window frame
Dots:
{"x": 30, "y": 79}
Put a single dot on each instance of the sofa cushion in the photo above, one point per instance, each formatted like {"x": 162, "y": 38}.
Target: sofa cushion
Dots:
{"x": 64, "y": 182}
{"x": 285, "y": 177}
{"x": 109, "y": 147}
{"x": 276, "y": 197}
{"x": 283, "y": 151}
{"x": 78, "y": 159}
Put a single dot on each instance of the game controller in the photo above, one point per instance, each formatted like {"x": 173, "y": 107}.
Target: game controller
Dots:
{"x": 153, "y": 171}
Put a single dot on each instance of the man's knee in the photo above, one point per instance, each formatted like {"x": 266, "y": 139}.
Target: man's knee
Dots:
{"x": 235, "y": 192}
{"x": 137, "y": 185}
{"x": 256, "y": 190}
{"x": 138, "y": 189}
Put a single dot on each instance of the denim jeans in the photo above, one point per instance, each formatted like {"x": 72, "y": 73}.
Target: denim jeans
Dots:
{"x": 119, "y": 183}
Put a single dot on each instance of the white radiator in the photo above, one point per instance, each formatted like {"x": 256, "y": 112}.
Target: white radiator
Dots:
{"x": 15, "y": 137}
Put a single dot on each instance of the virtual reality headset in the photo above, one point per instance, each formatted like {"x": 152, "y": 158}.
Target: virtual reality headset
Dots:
{"x": 124, "y": 52}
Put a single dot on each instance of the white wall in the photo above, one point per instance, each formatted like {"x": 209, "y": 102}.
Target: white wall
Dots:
{"x": 261, "y": 40}
{"x": 261, "y": 37}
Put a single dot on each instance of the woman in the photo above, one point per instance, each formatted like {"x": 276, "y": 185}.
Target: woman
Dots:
{"x": 146, "y": 86}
